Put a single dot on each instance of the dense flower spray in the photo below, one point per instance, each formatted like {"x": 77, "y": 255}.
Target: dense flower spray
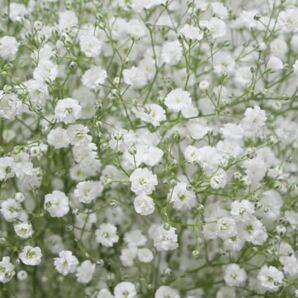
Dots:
{"x": 149, "y": 148}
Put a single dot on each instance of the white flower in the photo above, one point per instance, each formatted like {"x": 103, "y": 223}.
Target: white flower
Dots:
{"x": 84, "y": 151}
{"x": 254, "y": 120}
{"x": 255, "y": 170}
{"x": 67, "y": 20}
{"x": 6, "y": 166}
{"x": 219, "y": 179}
{"x": 78, "y": 134}
{"x": 6, "y": 270}
{"x": 10, "y": 105}
{"x": 290, "y": 265}
{"x": 216, "y": 27}
{"x": 31, "y": 256}
{"x": 151, "y": 155}
{"x": 66, "y": 262}
{"x": 166, "y": 292}
{"x": 197, "y": 129}
{"x": 234, "y": 243}
{"x": 128, "y": 256}
{"x": 106, "y": 235}
{"x": 171, "y": 52}
{"x": 135, "y": 76}
{"x": 275, "y": 63}
{"x": 178, "y": 100}
{"x": 136, "y": 29}
{"x": 125, "y": 290}
{"x": 67, "y": 110}
{"x": 94, "y": 77}
{"x": 226, "y": 227}
{"x": 165, "y": 239}
{"x": 234, "y": 276}
{"x": 135, "y": 238}
{"x": 58, "y": 138}
{"x": 223, "y": 63}
{"x": 88, "y": 191}
{"x": 242, "y": 209}
{"x": 243, "y": 75}
{"x": 191, "y": 32}
{"x": 90, "y": 45}
{"x": 270, "y": 205}
{"x": 204, "y": 85}
{"x": 38, "y": 92}
{"x": 56, "y": 203}
{"x": 23, "y": 229}
{"x": 17, "y": 11}
{"x": 253, "y": 230}
{"x": 287, "y": 20}
{"x": 181, "y": 197}
{"x": 144, "y": 205}
{"x": 11, "y": 210}
{"x": 8, "y": 47}
{"x": 85, "y": 272}
{"x": 104, "y": 293}
{"x": 292, "y": 218}
{"x": 209, "y": 159}
{"x": 201, "y": 4}
{"x": 143, "y": 181}
{"x": 270, "y": 278}
{"x": 145, "y": 255}
{"x": 279, "y": 48}
{"x": 22, "y": 275}
{"x": 232, "y": 132}
{"x": 151, "y": 113}
{"x": 45, "y": 70}
{"x": 46, "y": 52}
{"x": 219, "y": 10}
{"x": 191, "y": 154}
{"x": 247, "y": 19}
{"x": 54, "y": 243}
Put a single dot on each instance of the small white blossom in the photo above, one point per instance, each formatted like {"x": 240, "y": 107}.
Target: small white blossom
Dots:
{"x": 31, "y": 256}
{"x": 67, "y": 110}
{"x": 165, "y": 239}
{"x": 58, "y": 138}
{"x": 24, "y": 230}
{"x": 145, "y": 255}
{"x": 56, "y": 203}
{"x": 143, "y": 181}
{"x": 178, "y": 100}
{"x": 166, "y": 292}
{"x": 85, "y": 272}
{"x": 171, "y": 52}
{"x": 90, "y": 45}
{"x": 8, "y": 47}
{"x": 234, "y": 275}
{"x": 181, "y": 197}
{"x": 106, "y": 235}
{"x": 6, "y": 270}
{"x": 270, "y": 278}
{"x": 144, "y": 205}
{"x": 66, "y": 262}
{"x": 191, "y": 32}
{"x": 94, "y": 77}
{"x": 125, "y": 290}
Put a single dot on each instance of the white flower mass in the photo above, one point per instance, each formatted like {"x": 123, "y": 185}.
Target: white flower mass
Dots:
{"x": 149, "y": 148}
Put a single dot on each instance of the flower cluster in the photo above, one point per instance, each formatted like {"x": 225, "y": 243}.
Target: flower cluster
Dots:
{"x": 149, "y": 148}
